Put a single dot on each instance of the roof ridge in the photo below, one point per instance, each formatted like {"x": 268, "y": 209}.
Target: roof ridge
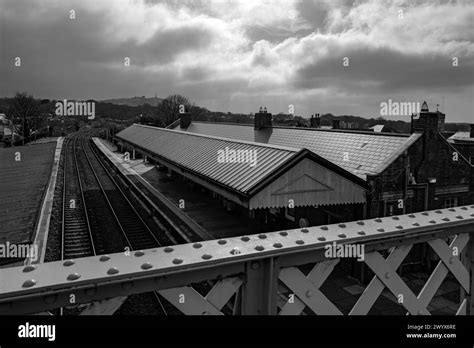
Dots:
{"x": 253, "y": 143}
{"x": 352, "y": 131}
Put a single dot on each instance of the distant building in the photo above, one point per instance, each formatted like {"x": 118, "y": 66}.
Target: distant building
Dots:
{"x": 464, "y": 142}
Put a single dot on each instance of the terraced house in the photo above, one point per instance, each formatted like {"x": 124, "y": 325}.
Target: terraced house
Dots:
{"x": 314, "y": 176}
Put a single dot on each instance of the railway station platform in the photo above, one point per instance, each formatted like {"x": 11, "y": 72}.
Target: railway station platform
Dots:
{"x": 27, "y": 177}
{"x": 200, "y": 210}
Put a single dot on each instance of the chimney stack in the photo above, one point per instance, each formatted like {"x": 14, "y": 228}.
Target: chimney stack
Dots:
{"x": 336, "y": 124}
{"x": 315, "y": 122}
{"x": 263, "y": 119}
{"x": 184, "y": 120}
{"x": 427, "y": 122}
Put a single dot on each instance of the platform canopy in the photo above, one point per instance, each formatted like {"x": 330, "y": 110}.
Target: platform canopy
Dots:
{"x": 251, "y": 174}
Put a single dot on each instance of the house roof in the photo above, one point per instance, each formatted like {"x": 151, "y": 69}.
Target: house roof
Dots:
{"x": 360, "y": 153}
{"x": 461, "y": 136}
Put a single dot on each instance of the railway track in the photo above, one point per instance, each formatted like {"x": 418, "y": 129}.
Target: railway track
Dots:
{"x": 76, "y": 236}
{"x": 135, "y": 233}
{"x": 102, "y": 215}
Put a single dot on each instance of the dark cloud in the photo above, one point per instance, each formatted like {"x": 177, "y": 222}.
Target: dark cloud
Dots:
{"x": 193, "y": 44}
{"x": 385, "y": 70}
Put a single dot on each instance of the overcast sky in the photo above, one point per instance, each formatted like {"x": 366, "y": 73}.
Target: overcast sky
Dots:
{"x": 237, "y": 55}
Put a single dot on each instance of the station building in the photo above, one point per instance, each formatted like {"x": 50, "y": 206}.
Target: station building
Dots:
{"x": 311, "y": 176}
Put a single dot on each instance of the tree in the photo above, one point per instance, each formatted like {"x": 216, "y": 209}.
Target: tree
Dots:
{"x": 169, "y": 109}
{"x": 24, "y": 109}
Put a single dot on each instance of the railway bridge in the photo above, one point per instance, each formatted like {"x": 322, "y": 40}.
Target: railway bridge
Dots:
{"x": 258, "y": 274}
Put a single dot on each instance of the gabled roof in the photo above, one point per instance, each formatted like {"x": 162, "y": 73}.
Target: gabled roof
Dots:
{"x": 360, "y": 153}
{"x": 199, "y": 155}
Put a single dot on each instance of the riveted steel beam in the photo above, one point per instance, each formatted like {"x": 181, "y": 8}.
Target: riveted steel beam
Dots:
{"x": 45, "y": 286}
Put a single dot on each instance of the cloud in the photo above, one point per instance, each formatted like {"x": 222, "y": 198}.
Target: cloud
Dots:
{"x": 240, "y": 54}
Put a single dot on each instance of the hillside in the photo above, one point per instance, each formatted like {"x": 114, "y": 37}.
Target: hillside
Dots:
{"x": 134, "y": 101}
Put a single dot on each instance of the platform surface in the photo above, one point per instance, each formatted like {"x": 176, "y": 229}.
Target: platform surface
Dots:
{"x": 24, "y": 175}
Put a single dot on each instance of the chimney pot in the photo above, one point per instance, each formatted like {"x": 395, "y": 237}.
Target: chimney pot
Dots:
{"x": 263, "y": 119}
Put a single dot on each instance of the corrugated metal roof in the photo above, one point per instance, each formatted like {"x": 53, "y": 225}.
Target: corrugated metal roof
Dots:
{"x": 367, "y": 153}
{"x": 199, "y": 154}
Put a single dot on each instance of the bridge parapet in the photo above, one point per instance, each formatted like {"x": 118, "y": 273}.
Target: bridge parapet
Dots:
{"x": 257, "y": 273}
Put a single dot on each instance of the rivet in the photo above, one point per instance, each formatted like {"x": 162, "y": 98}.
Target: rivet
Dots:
{"x": 309, "y": 293}
{"x": 104, "y": 258}
{"x": 438, "y": 211}
{"x": 360, "y": 223}
{"x": 411, "y": 215}
{"x": 395, "y": 218}
{"x": 254, "y": 265}
{"x": 207, "y": 257}
{"x": 342, "y": 225}
{"x": 380, "y": 230}
{"x": 235, "y": 251}
{"x": 147, "y": 265}
{"x": 139, "y": 253}
{"x": 416, "y": 224}
{"x": 300, "y": 242}
{"x": 277, "y": 245}
{"x": 284, "y": 234}
{"x": 452, "y": 209}
{"x": 29, "y": 283}
{"x": 168, "y": 249}
{"x": 445, "y": 219}
{"x": 221, "y": 241}
{"x": 362, "y": 233}
{"x": 387, "y": 275}
{"x": 262, "y": 236}
{"x": 259, "y": 248}
{"x": 463, "y": 208}
{"x": 324, "y": 228}
{"x": 459, "y": 217}
{"x": 378, "y": 220}
{"x": 432, "y": 222}
{"x": 29, "y": 268}
{"x": 322, "y": 239}
{"x": 425, "y": 213}
{"x": 245, "y": 239}
{"x": 400, "y": 227}
{"x": 305, "y": 230}
{"x": 177, "y": 261}
{"x": 73, "y": 276}
{"x": 197, "y": 245}
{"x": 68, "y": 263}
{"x": 341, "y": 235}
{"x": 112, "y": 271}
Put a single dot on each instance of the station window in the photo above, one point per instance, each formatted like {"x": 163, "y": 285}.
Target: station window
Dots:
{"x": 450, "y": 202}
